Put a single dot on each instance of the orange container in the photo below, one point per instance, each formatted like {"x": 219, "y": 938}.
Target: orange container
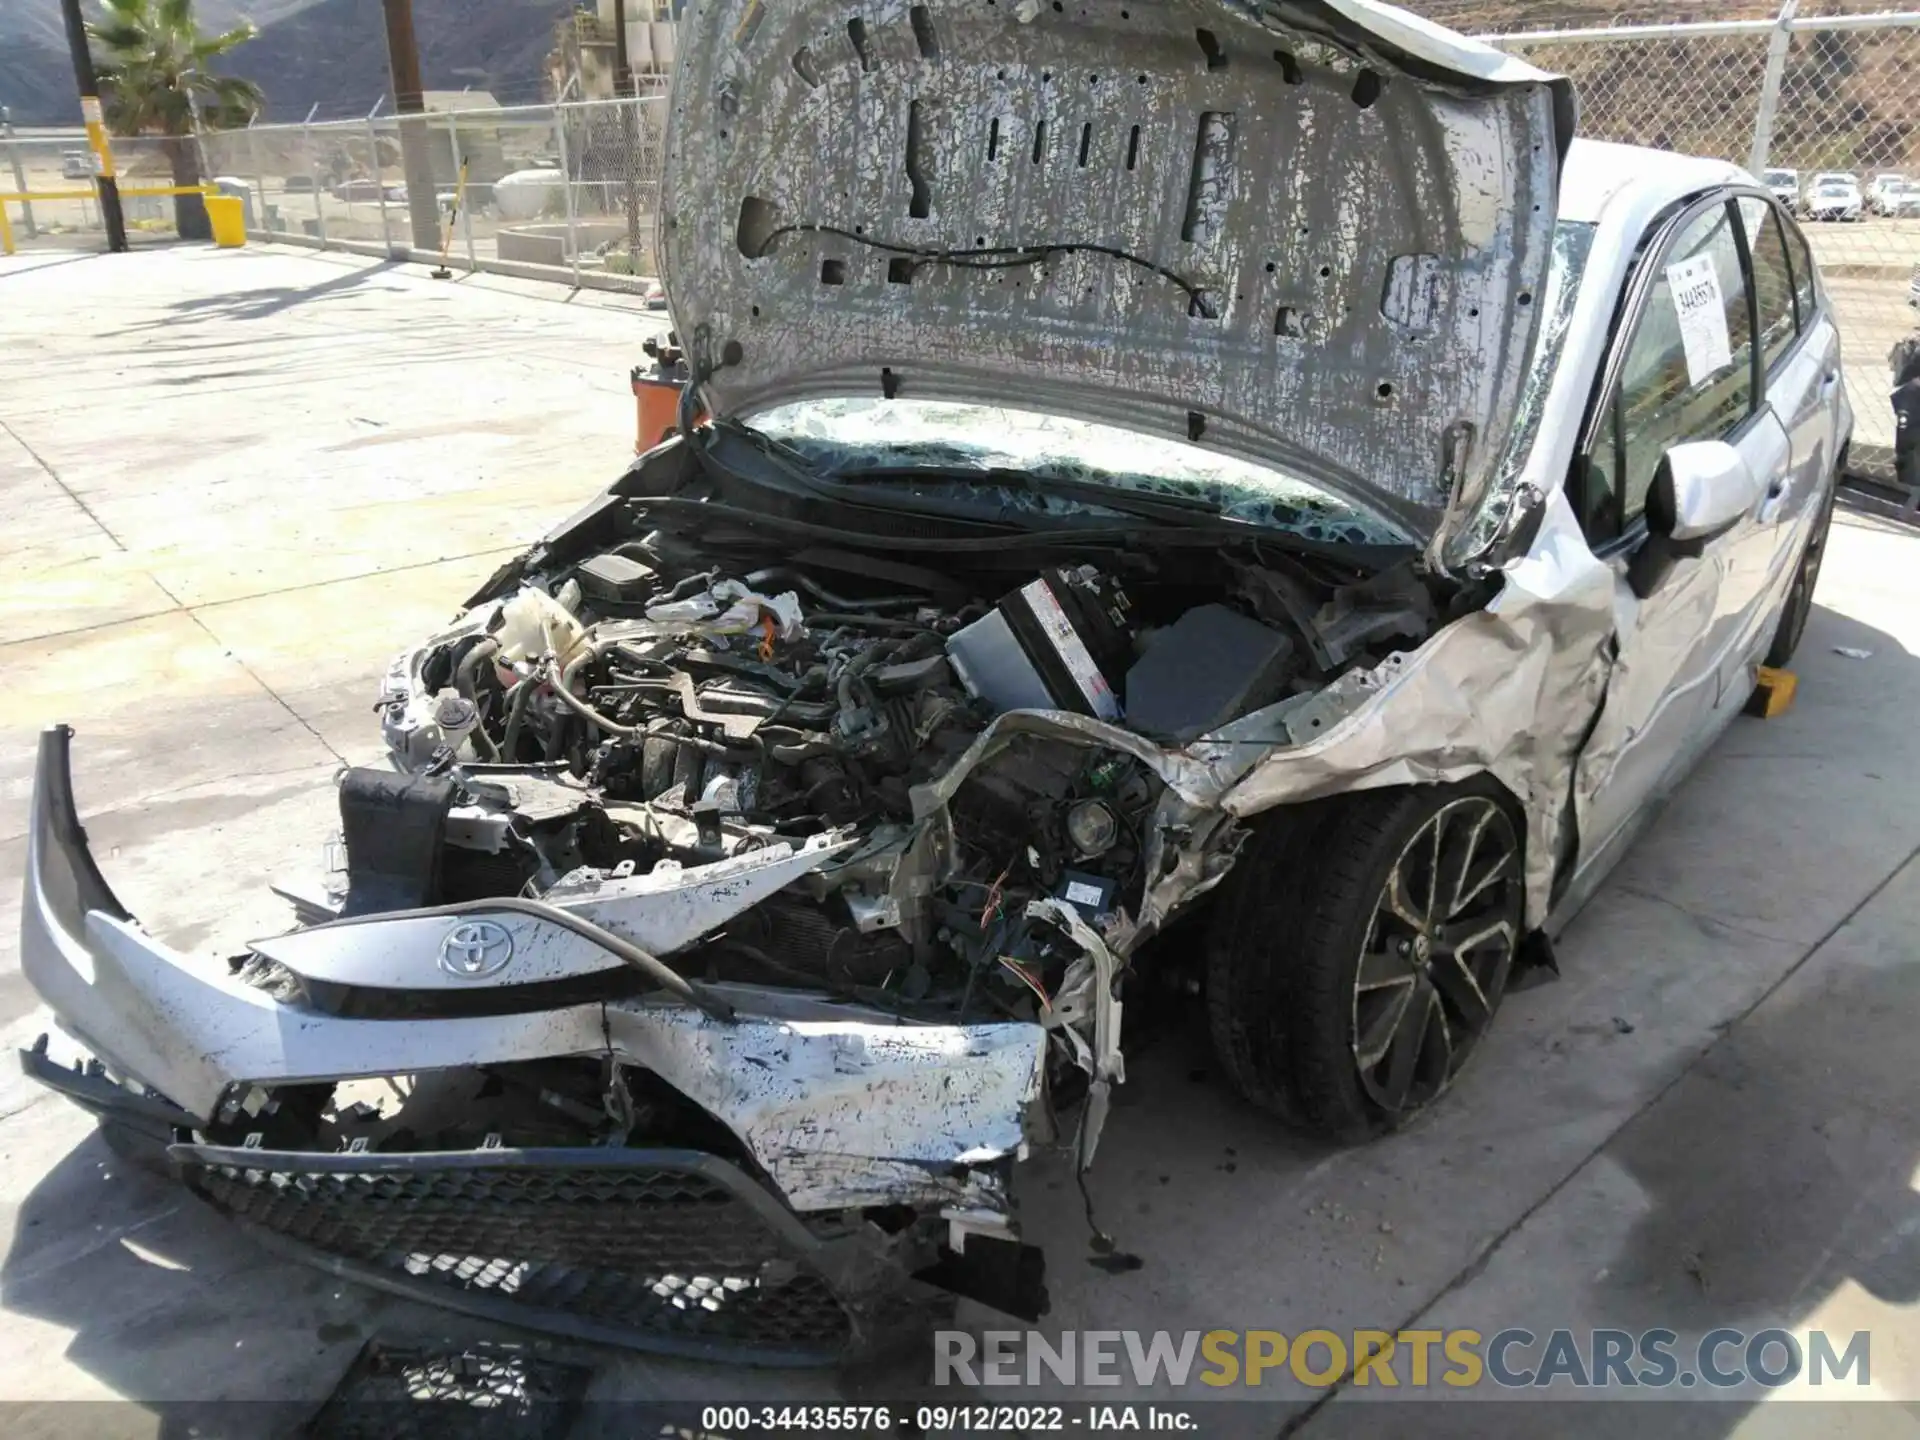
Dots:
{"x": 658, "y": 402}
{"x": 656, "y": 391}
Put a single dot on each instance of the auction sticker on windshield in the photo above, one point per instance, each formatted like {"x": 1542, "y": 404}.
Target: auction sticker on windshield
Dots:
{"x": 1702, "y": 312}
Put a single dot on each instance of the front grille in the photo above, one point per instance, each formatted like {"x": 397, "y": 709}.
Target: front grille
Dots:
{"x": 657, "y": 1249}
{"x": 475, "y": 1392}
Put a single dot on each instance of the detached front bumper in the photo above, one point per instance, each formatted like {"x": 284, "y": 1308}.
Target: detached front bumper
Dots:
{"x": 836, "y": 1110}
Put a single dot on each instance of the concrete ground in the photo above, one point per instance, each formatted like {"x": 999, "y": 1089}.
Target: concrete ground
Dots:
{"x": 235, "y": 482}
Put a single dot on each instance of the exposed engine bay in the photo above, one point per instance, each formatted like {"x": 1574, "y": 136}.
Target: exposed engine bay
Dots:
{"x": 672, "y": 702}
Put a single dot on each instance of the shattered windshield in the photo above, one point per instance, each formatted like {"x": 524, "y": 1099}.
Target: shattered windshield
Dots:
{"x": 845, "y": 438}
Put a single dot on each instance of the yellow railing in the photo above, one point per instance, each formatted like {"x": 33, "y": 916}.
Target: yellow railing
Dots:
{"x": 130, "y": 191}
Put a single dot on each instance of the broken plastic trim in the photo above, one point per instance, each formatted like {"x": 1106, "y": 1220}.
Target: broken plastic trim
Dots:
{"x": 648, "y": 964}
{"x": 1104, "y": 1063}
{"x": 62, "y": 821}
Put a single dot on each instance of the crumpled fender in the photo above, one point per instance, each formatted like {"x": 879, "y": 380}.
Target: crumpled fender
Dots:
{"x": 1508, "y": 691}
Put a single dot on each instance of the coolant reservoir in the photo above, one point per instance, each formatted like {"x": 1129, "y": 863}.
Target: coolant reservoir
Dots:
{"x": 533, "y": 624}
{"x": 429, "y": 724}
{"x": 455, "y": 715}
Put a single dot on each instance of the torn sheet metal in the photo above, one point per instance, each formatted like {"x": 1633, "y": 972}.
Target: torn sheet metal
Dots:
{"x": 1507, "y": 691}
{"x": 1103, "y": 181}
{"x": 843, "y": 1114}
{"x": 670, "y": 906}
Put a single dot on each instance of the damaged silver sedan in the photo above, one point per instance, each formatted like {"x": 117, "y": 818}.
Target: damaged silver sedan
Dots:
{"x": 1213, "y": 459}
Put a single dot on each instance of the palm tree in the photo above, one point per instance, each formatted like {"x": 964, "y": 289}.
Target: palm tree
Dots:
{"x": 156, "y": 82}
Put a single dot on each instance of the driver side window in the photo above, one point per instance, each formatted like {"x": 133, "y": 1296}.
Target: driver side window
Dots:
{"x": 1687, "y": 374}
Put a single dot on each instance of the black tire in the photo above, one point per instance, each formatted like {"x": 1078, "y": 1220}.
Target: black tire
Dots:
{"x": 1793, "y": 616}
{"x": 1296, "y": 1022}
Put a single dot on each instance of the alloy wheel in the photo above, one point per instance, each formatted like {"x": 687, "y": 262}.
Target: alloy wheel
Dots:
{"x": 1439, "y": 946}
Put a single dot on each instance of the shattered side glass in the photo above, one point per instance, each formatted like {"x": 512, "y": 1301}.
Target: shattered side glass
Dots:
{"x": 844, "y": 437}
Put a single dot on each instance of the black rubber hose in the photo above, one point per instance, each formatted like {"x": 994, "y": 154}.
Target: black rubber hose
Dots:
{"x": 873, "y": 622}
{"x": 464, "y": 682}
{"x": 760, "y": 578}
{"x": 516, "y": 717}
{"x": 470, "y": 663}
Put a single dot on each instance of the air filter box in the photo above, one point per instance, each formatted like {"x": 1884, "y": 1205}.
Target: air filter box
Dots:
{"x": 1060, "y": 642}
{"x": 614, "y": 576}
{"x": 1210, "y": 666}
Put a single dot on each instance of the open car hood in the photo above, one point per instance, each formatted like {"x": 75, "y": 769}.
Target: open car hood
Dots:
{"x": 1308, "y": 233}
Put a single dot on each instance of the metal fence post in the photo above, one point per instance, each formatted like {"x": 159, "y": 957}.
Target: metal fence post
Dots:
{"x": 629, "y": 164}
{"x": 269, "y": 221}
{"x": 313, "y": 174}
{"x": 19, "y": 175}
{"x": 654, "y": 156}
{"x": 1777, "y": 46}
{"x": 566, "y": 187}
{"x": 379, "y": 180}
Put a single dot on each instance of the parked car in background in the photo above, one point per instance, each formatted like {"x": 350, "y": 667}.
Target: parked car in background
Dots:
{"x": 771, "y": 857}
{"x": 1833, "y": 197}
{"x": 1900, "y": 201}
{"x": 299, "y": 184}
{"x": 366, "y": 189}
{"x": 1903, "y": 200}
{"x": 1784, "y": 185}
{"x": 1883, "y": 184}
{"x": 76, "y": 165}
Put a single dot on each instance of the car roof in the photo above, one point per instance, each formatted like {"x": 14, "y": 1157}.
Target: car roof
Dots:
{"x": 1598, "y": 174}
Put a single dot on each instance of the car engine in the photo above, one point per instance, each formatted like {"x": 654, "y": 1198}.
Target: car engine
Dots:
{"x": 655, "y": 705}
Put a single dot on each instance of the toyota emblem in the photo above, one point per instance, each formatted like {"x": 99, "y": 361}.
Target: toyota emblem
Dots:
{"x": 476, "y": 949}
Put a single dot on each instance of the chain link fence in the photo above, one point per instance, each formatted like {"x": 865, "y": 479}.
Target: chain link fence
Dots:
{"x": 1826, "y": 109}
{"x": 565, "y": 192}
{"x": 56, "y": 170}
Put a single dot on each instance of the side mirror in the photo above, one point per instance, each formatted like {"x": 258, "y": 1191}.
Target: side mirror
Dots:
{"x": 1702, "y": 488}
